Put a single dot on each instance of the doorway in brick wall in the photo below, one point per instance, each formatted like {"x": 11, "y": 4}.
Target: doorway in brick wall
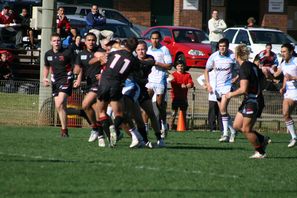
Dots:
{"x": 161, "y": 12}
{"x": 237, "y": 12}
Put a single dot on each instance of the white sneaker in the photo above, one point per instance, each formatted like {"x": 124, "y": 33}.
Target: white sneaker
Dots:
{"x": 292, "y": 143}
{"x": 232, "y": 138}
{"x": 149, "y": 145}
{"x": 113, "y": 136}
{"x": 257, "y": 155}
{"x": 134, "y": 143}
{"x": 101, "y": 142}
{"x": 224, "y": 139}
{"x": 161, "y": 143}
{"x": 94, "y": 135}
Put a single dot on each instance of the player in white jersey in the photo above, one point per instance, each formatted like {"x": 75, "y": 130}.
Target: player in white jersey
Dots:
{"x": 289, "y": 89}
{"x": 157, "y": 78}
{"x": 223, "y": 63}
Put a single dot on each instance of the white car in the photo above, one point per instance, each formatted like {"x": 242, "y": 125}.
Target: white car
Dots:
{"x": 256, "y": 38}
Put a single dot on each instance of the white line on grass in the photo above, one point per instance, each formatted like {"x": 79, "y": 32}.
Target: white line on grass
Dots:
{"x": 114, "y": 165}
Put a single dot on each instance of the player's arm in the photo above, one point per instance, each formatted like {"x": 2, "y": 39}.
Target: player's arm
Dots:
{"x": 244, "y": 83}
{"x": 283, "y": 88}
{"x": 163, "y": 65}
{"x": 45, "y": 76}
{"x": 77, "y": 71}
{"x": 190, "y": 83}
{"x": 99, "y": 57}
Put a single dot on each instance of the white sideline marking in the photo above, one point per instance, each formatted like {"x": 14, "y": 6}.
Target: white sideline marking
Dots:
{"x": 136, "y": 167}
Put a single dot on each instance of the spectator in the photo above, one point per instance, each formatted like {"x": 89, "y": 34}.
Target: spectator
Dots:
{"x": 94, "y": 21}
{"x": 63, "y": 25}
{"x": 180, "y": 84}
{"x": 214, "y": 116}
{"x": 25, "y": 26}
{"x": 77, "y": 46}
{"x": 268, "y": 61}
{"x": 9, "y": 27}
{"x": 216, "y": 27}
{"x": 5, "y": 70}
{"x": 251, "y": 22}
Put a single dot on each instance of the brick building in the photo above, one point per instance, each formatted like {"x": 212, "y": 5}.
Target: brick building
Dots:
{"x": 280, "y": 14}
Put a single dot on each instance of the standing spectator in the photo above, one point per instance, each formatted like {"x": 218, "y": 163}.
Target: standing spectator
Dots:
{"x": 8, "y": 27}
{"x": 247, "y": 113}
{"x": 5, "y": 70}
{"x": 181, "y": 82}
{"x": 223, "y": 63}
{"x": 25, "y": 25}
{"x": 216, "y": 27}
{"x": 157, "y": 83}
{"x": 77, "y": 46}
{"x": 63, "y": 25}
{"x": 59, "y": 61}
{"x": 268, "y": 61}
{"x": 289, "y": 69}
{"x": 214, "y": 116}
{"x": 251, "y": 22}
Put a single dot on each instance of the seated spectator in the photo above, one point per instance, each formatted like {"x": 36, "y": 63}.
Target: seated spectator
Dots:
{"x": 8, "y": 27}
{"x": 268, "y": 61}
{"x": 63, "y": 25}
{"x": 25, "y": 26}
{"x": 5, "y": 70}
{"x": 94, "y": 21}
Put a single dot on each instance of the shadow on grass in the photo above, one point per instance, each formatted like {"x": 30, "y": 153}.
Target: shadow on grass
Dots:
{"x": 204, "y": 148}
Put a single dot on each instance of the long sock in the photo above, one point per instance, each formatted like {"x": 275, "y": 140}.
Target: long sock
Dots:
{"x": 135, "y": 134}
{"x": 100, "y": 128}
{"x": 94, "y": 127}
{"x": 230, "y": 126}
{"x": 259, "y": 136}
{"x": 146, "y": 127}
{"x": 105, "y": 122}
{"x": 291, "y": 128}
{"x": 143, "y": 133}
{"x": 225, "y": 119}
{"x": 260, "y": 149}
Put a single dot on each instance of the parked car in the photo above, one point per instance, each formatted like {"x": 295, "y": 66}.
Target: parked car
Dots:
{"x": 83, "y": 10}
{"x": 186, "y": 43}
{"x": 119, "y": 29}
{"x": 256, "y": 38}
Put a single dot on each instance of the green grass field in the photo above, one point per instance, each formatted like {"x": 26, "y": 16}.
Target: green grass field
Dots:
{"x": 36, "y": 162}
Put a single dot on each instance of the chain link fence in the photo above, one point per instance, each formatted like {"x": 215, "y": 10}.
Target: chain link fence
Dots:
{"x": 20, "y": 106}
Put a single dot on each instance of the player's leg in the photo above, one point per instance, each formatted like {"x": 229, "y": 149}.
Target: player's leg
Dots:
{"x": 87, "y": 106}
{"x": 288, "y": 107}
{"x": 60, "y": 104}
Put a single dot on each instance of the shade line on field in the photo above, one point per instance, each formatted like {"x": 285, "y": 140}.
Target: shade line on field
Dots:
{"x": 113, "y": 165}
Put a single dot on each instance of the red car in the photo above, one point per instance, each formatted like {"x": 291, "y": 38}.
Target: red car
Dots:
{"x": 186, "y": 43}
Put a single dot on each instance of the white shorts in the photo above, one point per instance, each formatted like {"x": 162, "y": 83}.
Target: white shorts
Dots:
{"x": 291, "y": 94}
{"x": 222, "y": 91}
{"x": 158, "y": 88}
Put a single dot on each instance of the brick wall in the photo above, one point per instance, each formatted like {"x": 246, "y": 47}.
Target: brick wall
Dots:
{"x": 192, "y": 18}
{"x": 276, "y": 21}
{"x": 138, "y": 12}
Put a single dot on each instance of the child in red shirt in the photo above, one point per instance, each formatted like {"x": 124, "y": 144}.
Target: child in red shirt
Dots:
{"x": 180, "y": 84}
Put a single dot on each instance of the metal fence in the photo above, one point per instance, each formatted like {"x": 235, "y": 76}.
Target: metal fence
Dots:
{"x": 19, "y": 105}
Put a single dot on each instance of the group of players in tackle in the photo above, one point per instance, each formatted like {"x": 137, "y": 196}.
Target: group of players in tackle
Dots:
{"x": 127, "y": 83}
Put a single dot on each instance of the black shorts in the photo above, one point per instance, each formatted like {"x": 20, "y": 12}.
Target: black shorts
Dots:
{"x": 182, "y": 104}
{"x": 110, "y": 91}
{"x": 92, "y": 87}
{"x": 249, "y": 109}
{"x": 62, "y": 86}
{"x": 143, "y": 96}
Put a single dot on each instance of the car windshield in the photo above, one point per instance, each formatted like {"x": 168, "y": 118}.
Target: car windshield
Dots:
{"x": 120, "y": 31}
{"x": 189, "y": 36}
{"x": 263, "y": 37}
